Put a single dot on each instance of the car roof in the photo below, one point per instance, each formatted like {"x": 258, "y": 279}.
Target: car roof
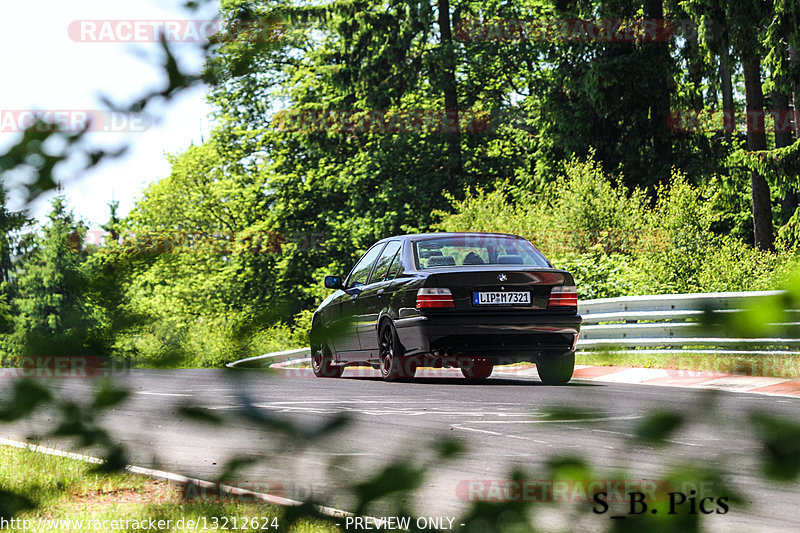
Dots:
{"x": 445, "y": 234}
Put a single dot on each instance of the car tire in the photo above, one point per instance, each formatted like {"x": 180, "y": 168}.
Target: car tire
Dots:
{"x": 477, "y": 369}
{"x": 393, "y": 365}
{"x": 556, "y": 370}
{"x": 322, "y": 363}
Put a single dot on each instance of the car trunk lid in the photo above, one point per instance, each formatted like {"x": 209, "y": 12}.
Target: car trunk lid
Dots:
{"x": 499, "y": 289}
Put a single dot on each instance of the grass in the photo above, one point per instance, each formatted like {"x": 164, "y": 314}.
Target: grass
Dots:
{"x": 68, "y": 489}
{"x": 778, "y": 365}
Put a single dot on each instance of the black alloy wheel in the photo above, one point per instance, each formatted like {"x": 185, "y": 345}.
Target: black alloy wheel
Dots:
{"x": 394, "y": 366}
{"x": 477, "y": 369}
{"x": 322, "y": 363}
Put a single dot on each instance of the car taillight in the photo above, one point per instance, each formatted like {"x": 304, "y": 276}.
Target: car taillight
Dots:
{"x": 427, "y": 298}
{"x": 563, "y": 296}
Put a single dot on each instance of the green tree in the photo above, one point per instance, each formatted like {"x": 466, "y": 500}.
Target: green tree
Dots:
{"x": 748, "y": 20}
{"x": 782, "y": 41}
{"x": 54, "y": 315}
{"x": 330, "y": 184}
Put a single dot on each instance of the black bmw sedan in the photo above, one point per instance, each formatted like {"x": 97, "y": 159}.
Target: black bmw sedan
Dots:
{"x": 466, "y": 300}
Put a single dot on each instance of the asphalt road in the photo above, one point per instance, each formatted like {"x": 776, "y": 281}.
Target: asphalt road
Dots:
{"x": 504, "y": 424}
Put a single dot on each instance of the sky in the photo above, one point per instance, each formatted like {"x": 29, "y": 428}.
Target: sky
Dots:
{"x": 55, "y": 61}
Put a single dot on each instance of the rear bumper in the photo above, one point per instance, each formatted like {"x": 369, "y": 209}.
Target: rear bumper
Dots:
{"x": 501, "y": 337}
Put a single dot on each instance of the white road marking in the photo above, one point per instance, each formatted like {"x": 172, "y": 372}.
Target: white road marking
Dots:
{"x": 597, "y": 419}
{"x": 671, "y": 441}
{"x": 495, "y": 433}
{"x": 175, "y": 478}
{"x": 330, "y": 400}
{"x": 148, "y": 393}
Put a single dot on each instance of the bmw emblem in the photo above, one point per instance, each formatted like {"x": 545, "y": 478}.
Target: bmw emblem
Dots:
{"x": 502, "y": 277}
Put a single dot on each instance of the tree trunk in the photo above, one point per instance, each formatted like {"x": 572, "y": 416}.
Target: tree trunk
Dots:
{"x": 695, "y": 74}
{"x": 791, "y": 200}
{"x": 784, "y": 138}
{"x": 756, "y": 141}
{"x": 659, "y": 109}
{"x": 794, "y": 58}
{"x": 726, "y": 83}
{"x": 448, "y": 77}
{"x": 796, "y": 111}
{"x": 780, "y": 118}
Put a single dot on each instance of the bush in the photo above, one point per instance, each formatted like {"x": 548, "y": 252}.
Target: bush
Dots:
{"x": 208, "y": 341}
{"x": 578, "y": 212}
{"x": 616, "y": 244}
{"x": 789, "y": 234}
{"x": 585, "y": 210}
{"x": 597, "y": 274}
{"x": 680, "y": 225}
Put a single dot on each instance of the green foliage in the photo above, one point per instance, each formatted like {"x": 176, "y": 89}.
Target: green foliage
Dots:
{"x": 789, "y": 234}
{"x": 292, "y": 166}
{"x": 180, "y": 282}
{"x": 206, "y": 342}
{"x": 581, "y": 209}
{"x": 599, "y": 274}
{"x": 615, "y": 243}
{"x": 394, "y": 478}
{"x": 77, "y": 419}
{"x": 781, "y": 453}
{"x": 59, "y": 488}
{"x": 54, "y": 311}
{"x": 781, "y": 165}
{"x": 27, "y": 396}
{"x": 658, "y": 426}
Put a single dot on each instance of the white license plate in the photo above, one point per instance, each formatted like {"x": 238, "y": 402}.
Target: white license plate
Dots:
{"x": 501, "y": 298}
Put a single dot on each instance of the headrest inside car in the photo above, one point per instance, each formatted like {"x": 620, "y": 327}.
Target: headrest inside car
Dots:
{"x": 509, "y": 259}
{"x": 424, "y": 254}
{"x": 441, "y": 260}
{"x": 473, "y": 259}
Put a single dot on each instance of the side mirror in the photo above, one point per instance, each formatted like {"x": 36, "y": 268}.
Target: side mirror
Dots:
{"x": 334, "y": 282}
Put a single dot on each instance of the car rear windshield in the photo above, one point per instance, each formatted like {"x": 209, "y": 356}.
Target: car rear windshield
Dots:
{"x": 477, "y": 250}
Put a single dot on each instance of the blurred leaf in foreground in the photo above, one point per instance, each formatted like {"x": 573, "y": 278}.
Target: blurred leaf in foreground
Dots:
{"x": 27, "y": 396}
{"x": 394, "y": 478}
{"x": 200, "y": 414}
{"x": 107, "y": 395}
{"x": 658, "y": 426}
{"x": 780, "y": 439}
{"x": 12, "y": 504}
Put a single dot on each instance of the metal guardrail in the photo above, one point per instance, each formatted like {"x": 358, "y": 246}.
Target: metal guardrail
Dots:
{"x": 672, "y": 321}
{"x": 274, "y": 357}
{"x": 668, "y": 321}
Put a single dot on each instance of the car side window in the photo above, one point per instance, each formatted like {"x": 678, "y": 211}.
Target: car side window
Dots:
{"x": 385, "y": 261}
{"x": 360, "y": 273}
{"x": 397, "y": 265}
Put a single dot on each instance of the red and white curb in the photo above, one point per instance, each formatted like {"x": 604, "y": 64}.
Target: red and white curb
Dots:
{"x": 687, "y": 378}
